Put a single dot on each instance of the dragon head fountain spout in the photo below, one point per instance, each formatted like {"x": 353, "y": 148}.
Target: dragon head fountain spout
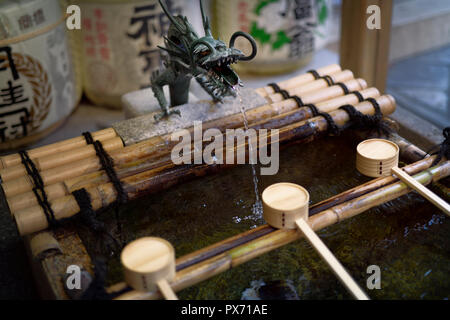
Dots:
{"x": 207, "y": 59}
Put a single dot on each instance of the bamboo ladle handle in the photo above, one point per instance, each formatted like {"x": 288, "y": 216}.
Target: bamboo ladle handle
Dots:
{"x": 149, "y": 263}
{"x": 331, "y": 260}
{"x": 166, "y": 290}
{"x": 422, "y": 190}
{"x": 286, "y": 207}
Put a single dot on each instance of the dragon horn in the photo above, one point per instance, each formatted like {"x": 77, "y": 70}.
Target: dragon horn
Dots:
{"x": 250, "y": 39}
{"x": 170, "y": 16}
{"x": 205, "y": 20}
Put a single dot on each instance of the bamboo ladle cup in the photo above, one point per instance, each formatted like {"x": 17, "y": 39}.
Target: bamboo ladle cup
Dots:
{"x": 376, "y": 157}
{"x": 149, "y": 263}
{"x": 286, "y": 207}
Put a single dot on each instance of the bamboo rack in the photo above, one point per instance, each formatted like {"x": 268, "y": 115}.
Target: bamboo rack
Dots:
{"x": 272, "y": 239}
{"x": 146, "y": 167}
{"x": 33, "y": 219}
{"x": 299, "y": 80}
{"x": 327, "y": 100}
{"x": 58, "y": 147}
{"x": 86, "y": 171}
{"x": 72, "y": 150}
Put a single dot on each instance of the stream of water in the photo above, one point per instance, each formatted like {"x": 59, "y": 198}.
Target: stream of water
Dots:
{"x": 257, "y": 209}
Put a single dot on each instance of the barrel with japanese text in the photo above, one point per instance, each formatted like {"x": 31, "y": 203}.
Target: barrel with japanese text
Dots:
{"x": 120, "y": 40}
{"x": 39, "y": 88}
{"x": 283, "y": 29}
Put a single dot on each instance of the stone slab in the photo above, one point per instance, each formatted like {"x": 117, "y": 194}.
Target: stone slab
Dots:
{"x": 144, "y": 127}
{"x": 141, "y": 102}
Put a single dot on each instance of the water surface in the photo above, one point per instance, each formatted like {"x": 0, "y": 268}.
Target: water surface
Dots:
{"x": 407, "y": 238}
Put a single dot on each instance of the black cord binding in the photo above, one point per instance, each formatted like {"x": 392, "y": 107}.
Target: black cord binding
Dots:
{"x": 328, "y": 79}
{"x": 343, "y": 86}
{"x": 358, "y": 119}
{"x": 108, "y": 166}
{"x": 38, "y": 188}
{"x": 88, "y": 136}
{"x": 277, "y": 89}
{"x": 363, "y": 121}
{"x": 96, "y": 289}
{"x": 315, "y": 74}
{"x": 442, "y": 150}
{"x": 297, "y": 100}
{"x": 88, "y": 216}
{"x": 358, "y": 95}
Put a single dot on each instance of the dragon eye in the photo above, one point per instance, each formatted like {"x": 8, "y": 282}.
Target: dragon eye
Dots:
{"x": 205, "y": 53}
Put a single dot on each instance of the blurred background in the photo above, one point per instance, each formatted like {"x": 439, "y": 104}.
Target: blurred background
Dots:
{"x": 56, "y": 83}
{"x": 74, "y": 79}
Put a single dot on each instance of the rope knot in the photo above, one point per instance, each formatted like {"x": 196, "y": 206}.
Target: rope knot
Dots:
{"x": 364, "y": 121}
{"x": 442, "y": 150}
{"x": 88, "y": 217}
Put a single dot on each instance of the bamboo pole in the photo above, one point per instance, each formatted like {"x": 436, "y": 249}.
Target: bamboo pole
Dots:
{"x": 52, "y": 152}
{"x": 87, "y": 176}
{"x": 17, "y": 182}
{"x": 408, "y": 151}
{"x": 61, "y": 146}
{"x": 285, "y": 206}
{"x": 331, "y": 260}
{"x": 311, "y": 86}
{"x": 299, "y": 80}
{"x": 71, "y": 156}
{"x": 215, "y": 265}
{"x": 33, "y": 219}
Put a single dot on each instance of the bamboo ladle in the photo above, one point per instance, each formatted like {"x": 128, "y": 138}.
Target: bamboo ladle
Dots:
{"x": 149, "y": 263}
{"x": 286, "y": 207}
{"x": 379, "y": 157}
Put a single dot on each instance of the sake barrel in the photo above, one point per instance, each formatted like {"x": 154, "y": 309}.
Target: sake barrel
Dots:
{"x": 283, "y": 30}
{"x": 119, "y": 45}
{"x": 39, "y": 87}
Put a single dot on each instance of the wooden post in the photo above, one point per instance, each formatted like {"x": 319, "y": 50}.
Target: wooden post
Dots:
{"x": 364, "y": 51}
